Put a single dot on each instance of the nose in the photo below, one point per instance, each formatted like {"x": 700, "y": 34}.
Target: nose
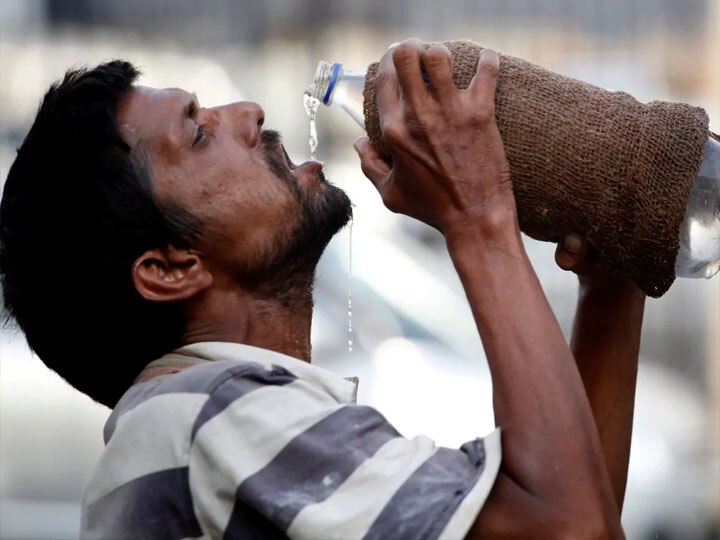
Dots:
{"x": 244, "y": 119}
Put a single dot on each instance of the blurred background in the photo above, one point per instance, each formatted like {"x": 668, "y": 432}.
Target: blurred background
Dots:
{"x": 415, "y": 347}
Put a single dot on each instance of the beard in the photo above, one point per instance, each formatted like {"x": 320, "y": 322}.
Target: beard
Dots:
{"x": 287, "y": 273}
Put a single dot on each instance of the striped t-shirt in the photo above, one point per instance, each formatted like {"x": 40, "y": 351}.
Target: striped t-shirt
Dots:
{"x": 248, "y": 443}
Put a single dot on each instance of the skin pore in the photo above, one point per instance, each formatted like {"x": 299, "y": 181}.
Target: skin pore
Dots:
{"x": 265, "y": 221}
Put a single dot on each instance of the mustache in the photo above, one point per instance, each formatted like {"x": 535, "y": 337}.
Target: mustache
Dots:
{"x": 274, "y": 155}
{"x": 270, "y": 138}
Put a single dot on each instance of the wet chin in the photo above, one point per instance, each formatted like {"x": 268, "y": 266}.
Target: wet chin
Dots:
{"x": 324, "y": 213}
{"x": 289, "y": 274}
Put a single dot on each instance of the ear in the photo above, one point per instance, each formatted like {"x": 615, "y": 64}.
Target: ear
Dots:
{"x": 170, "y": 275}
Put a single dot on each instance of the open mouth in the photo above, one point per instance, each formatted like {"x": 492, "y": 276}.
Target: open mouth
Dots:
{"x": 279, "y": 161}
{"x": 274, "y": 151}
{"x": 287, "y": 159}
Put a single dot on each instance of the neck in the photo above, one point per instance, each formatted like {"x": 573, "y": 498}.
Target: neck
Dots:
{"x": 277, "y": 324}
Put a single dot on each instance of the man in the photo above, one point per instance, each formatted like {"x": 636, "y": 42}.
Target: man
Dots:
{"x": 160, "y": 256}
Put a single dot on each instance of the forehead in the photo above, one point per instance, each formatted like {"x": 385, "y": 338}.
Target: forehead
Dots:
{"x": 147, "y": 114}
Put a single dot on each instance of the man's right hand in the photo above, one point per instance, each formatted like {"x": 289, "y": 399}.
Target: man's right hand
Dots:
{"x": 449, "y": 170}
{"x": 448, "y": 162}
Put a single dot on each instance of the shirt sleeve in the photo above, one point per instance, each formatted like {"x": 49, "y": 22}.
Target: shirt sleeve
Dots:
{"x": 290, "y": 461}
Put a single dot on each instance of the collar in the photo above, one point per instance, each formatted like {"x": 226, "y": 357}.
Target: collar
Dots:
{"x": 343, "y": 389}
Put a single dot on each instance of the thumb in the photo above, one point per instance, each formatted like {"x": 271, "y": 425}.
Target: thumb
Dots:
{"x": 373, "y": 166}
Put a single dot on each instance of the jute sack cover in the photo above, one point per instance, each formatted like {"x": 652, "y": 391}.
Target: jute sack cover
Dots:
{"x": 589, "y": 161}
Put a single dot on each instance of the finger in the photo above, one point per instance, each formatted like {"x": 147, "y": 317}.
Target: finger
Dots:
{"x": 484, "y": 83}
{"x": 438, "y": 65}
{"x": 564, "y": 259}
{"x": 572, "y": 253}
{"x": 408, "y": 65}
{"x": 373, "y": 166}
{"x": 387, "y": 89}
{"x": 574, "y": 243}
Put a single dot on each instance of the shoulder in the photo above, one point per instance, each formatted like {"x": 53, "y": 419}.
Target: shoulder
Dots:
{"x": 184, "y": 389}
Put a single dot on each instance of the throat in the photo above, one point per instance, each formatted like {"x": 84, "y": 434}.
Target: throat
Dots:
{"x": 269, "y": 323}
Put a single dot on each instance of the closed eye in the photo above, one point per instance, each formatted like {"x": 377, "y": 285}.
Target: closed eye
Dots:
{"x": 191, "y": 110}
{"x": 199, "y": 135}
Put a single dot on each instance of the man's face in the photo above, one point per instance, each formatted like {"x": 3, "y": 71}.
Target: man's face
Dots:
{"x": 264, "y": 218}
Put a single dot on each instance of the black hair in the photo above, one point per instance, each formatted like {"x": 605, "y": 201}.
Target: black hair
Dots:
{"x": 77, "y": 210}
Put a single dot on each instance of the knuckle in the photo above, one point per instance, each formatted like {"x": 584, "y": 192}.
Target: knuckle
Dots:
{"x": 488, "y": 68}
{"x": 393, "y": 132}
{"x": 382, "y": 79}
{"x": 393, "y": 136}
{"x": 407, "y": 51}
{"x": 419, "y": 125}
{"x": 436, "y": 55}
{"x": 483, "y": 113}
{"x": 365, "y": 167}
{"x": 454, "y": 109}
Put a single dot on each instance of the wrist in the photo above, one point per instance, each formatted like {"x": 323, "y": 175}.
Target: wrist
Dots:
{"x": 609, "y": 286}
{"x": 610, "y": 297}
{"x": 496, "y": 226}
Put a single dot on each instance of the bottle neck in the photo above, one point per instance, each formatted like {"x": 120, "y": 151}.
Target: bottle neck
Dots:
{"x": 326, "y": 77}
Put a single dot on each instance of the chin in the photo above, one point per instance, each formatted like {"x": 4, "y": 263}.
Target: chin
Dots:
{"x": 335, "y": 208}
{"x": 322, "y": 212}
{"x": 325, "y": 210}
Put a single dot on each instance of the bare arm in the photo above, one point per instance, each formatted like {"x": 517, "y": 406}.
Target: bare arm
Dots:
{"x": 606, "y": 343}
{"x": 449, "y": 170}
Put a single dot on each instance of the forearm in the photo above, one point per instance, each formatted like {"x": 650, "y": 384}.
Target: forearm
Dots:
{"x": 606, "y": 343}
{"x": 550, "y": 444}
{"x": 449, "y": 170}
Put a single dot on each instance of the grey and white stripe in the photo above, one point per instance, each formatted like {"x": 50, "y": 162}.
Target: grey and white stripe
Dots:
{"x": 252, "y": 444}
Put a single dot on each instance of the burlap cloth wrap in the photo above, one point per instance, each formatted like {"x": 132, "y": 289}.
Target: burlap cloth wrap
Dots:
{"x": 589, "y": 161}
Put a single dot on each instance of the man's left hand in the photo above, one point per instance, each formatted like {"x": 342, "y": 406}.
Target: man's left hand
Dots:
{"x": 576, "y": 254}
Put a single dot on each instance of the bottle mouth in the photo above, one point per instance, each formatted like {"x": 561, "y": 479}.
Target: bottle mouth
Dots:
{"x": 326, "y": 76}
{"x": 310, "y": 91}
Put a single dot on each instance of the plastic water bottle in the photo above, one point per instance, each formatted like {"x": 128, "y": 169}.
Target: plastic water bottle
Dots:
{"x": 336, "y": 85}
{"x": 699, "y": 253}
